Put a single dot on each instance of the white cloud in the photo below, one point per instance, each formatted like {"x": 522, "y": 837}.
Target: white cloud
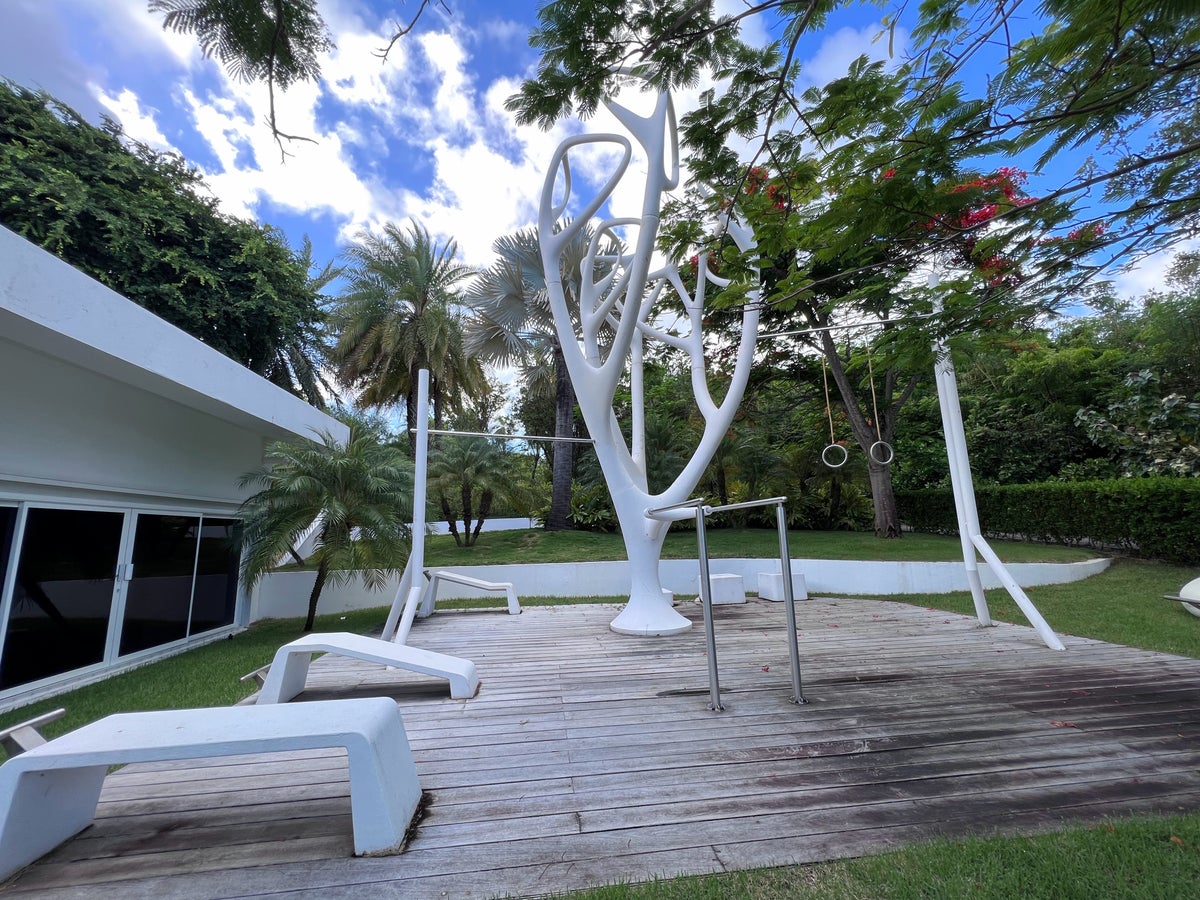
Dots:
{"x": 137, "y": 123}
{"x": 129, "y": 29}
{"x": 838, "y": 50}
{"x": 1150, "y": 274}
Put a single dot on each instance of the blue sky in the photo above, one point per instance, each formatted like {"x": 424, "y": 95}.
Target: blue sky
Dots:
{"x": 423, "y": 135}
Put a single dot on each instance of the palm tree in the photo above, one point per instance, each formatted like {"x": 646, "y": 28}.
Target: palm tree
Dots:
{"x": 397, "y": 316}
{"x": 298, "y": 365}
{"x": 469, "y": 467}
{"x": 512, "y": 324}
{"x": 362, "y": 491}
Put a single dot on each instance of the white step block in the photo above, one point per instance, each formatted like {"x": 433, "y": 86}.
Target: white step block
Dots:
{"x": 727, "y": 589}
{"x": 770, "y": 586}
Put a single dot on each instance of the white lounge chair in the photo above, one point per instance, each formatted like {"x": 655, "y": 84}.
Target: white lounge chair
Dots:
{"x": 289, "y": 668}
{"x": 436, "y": 576}
{"x": 50, "y": 792}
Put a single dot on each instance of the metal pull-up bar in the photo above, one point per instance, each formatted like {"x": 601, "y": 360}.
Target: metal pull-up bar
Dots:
{"x": 678, "y": 511}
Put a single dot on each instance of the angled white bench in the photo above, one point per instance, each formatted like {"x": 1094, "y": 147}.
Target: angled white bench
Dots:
{"x": 289, "y": 668}
{"x": 429, "y": 601}
{"x": 49, "y": 793}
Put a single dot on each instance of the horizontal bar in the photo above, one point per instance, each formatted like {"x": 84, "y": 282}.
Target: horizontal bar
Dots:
{"x": 847, "y": 325}
{"x": 507, "y": 437}
{"x": 709, "y": 510}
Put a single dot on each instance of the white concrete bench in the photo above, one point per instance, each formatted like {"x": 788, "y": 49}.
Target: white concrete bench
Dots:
{"x": 289, "y": 668}
{"x": 770, "y": 586}
{"x": 429, "y": 601}
{"x": 50, "y": 792}
{"x": 727, "y": 588}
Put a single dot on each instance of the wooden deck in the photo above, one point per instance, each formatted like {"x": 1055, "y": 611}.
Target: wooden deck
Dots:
{"x": 589, "y": 757}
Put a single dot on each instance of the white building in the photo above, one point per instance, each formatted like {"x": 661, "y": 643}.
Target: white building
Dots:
{"x": 121, "y": 442}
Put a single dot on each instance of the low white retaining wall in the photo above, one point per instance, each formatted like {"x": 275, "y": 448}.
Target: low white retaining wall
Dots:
{"x": 285, "y": 594}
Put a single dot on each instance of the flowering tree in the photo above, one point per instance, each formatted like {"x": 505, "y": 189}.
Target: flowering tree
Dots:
{"x": 625, "y": 307}
{"x": 850, "y": 233}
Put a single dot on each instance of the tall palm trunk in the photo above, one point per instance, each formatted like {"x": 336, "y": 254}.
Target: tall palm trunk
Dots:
{"x": 559, "y": 518}
{"x": 410, "y": 407}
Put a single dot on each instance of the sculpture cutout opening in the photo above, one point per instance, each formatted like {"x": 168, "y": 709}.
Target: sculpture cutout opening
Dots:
{"x": 618, "y": 318}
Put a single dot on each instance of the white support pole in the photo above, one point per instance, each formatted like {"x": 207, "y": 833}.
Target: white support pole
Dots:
{"x": 969, "y": 532}
{"x": 960, "y": 474}
{"x": 404, "y": 606}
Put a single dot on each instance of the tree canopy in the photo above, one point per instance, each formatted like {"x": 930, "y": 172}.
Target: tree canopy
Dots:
{"x": 139, "y": 222}
{"x": 1113, "y": 86}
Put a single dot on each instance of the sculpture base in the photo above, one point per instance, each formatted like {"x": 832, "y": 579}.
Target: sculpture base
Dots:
{"x": 649, "y": 621}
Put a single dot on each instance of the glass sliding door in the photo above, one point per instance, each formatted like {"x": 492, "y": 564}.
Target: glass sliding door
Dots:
{"x": 8, "y": 534}
{"x": 58, "y": 618}
{"x": 158, "y": 598}
{"x": 215, "y": 601}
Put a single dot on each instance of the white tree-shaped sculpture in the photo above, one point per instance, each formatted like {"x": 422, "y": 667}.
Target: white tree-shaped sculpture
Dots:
{"x": 622, "y": 306}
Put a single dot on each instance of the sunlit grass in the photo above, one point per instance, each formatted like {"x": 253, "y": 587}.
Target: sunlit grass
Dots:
{"x": 1148, "y": 857}
{"x": 538, "y": 546}
{"x": 1123, "y": 605}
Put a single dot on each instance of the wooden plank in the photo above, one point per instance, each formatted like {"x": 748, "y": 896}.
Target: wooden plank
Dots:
{"x": 588, "y": 756}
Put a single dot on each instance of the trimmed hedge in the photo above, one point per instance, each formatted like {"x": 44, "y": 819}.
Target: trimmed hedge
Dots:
{"x": 1158, "y": 518}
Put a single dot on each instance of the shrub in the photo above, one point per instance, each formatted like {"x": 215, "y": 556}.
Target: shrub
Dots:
{"x": 1158, "y": 518}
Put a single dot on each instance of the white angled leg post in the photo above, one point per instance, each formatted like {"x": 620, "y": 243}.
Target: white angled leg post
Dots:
{"x": 969, "y": 531}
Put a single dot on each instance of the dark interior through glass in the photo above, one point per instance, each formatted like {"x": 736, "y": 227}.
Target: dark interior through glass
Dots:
{"x": 159, "y": 597}
{"x": 63, "y": 593}
{"x": 215, "y": 599}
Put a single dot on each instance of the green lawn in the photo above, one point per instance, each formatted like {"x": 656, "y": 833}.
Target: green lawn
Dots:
{"x": 1150, "y": 857}
{"x": 537, "y": 546}
{"x": 1123, "y": 605}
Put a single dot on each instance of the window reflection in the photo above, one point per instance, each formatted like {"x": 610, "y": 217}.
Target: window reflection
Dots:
{"x": 58, "y": 620}
{"x": 159, "y": 596}
{"x": 215, "y": 600}
{"x": 8, "y": 530}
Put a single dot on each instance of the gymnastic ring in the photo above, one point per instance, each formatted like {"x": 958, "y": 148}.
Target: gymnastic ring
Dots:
{"x": 881, "y": 452}
{"x": 839, "y": 463}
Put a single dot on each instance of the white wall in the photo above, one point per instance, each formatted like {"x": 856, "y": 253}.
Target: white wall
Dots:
{"x": 64, "y": 424}
{"x": 285, "y": 594}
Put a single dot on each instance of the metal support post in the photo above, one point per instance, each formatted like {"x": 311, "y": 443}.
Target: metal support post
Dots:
{"x": 714, "y": 685}
{"x": 785, "y": 562}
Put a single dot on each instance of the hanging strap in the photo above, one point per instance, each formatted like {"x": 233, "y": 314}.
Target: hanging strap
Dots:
{"x": 874, "y": 402}
{"x": 828, "y": 407}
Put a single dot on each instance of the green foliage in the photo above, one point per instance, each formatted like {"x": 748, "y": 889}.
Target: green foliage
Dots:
{"x": 249, "y": 40}
{"x": 397, "y": 316}
{"x": 511, "y": 323}
{"x": 467, "y": 474}
{"x": 1155, "y": 517}
{"x": 589, "y": 46}
{"x": 138, "y": 222}
{"x": 278, "y": 43}
{"x": 1148, "y": 434}
{"x": 361, "y": 490}
{"x": 592, "y": 509}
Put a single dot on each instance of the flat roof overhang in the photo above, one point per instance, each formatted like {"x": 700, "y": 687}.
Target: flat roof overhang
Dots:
{"x": 53, "y": 308}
